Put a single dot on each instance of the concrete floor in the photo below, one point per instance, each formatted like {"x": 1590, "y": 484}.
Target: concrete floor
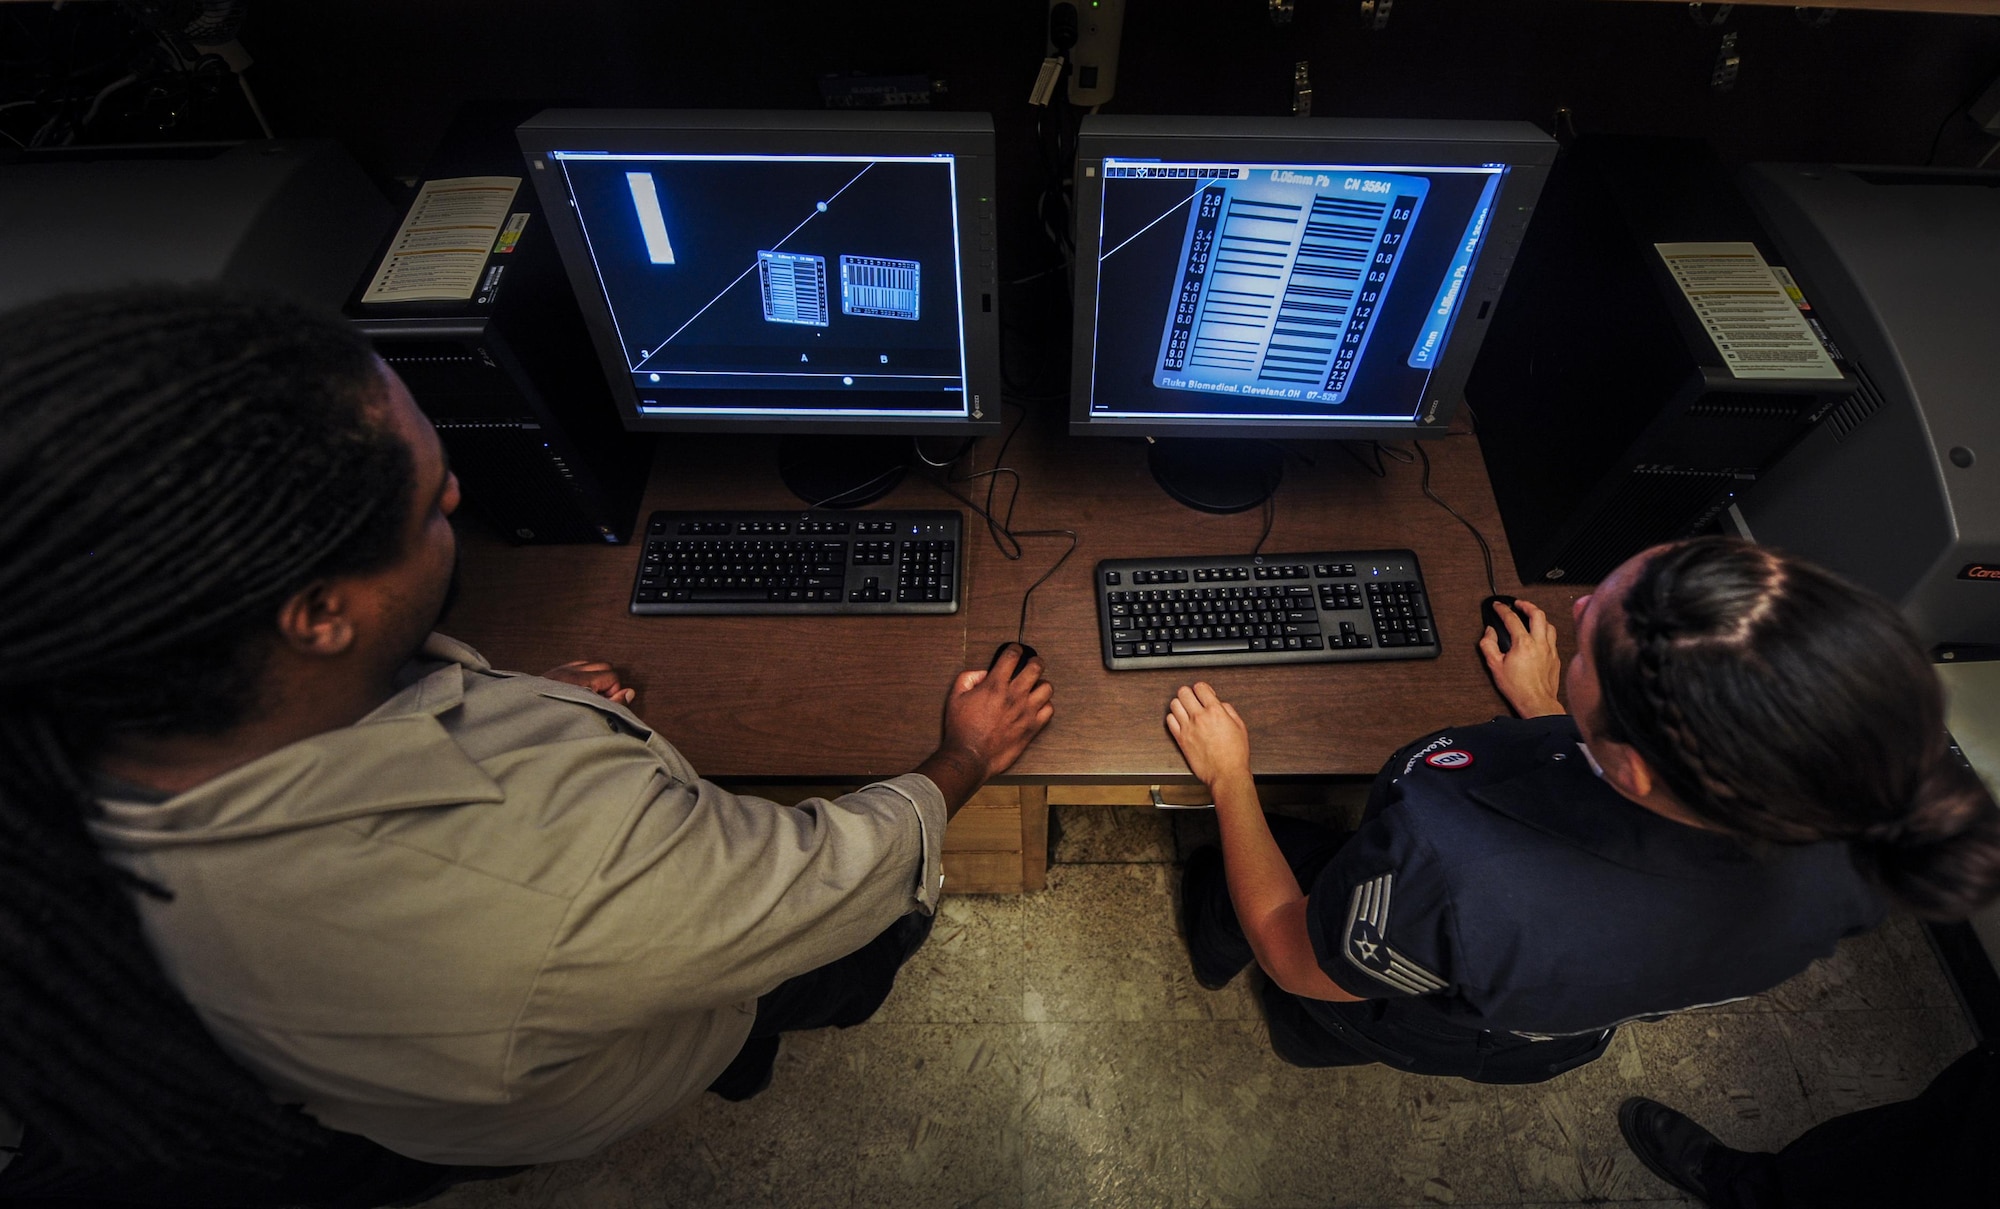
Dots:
{"x": 1053, "y": 1050}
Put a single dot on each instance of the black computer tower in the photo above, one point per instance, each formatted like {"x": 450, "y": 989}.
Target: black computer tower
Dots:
{"x": 1608, "y": 416}
{"x": 510, "y": 380}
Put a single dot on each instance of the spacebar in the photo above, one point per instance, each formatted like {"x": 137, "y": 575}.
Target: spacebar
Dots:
{"x": 1209, "y": 646}
{"x": 719, "y": 595}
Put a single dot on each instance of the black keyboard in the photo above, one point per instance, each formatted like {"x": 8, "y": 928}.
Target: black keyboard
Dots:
{"x": 799, "y": 562}
{"x": 1207, "y": 611}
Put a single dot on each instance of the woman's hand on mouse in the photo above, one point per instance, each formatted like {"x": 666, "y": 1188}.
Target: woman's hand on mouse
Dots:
{"x": 1529, "y": 675}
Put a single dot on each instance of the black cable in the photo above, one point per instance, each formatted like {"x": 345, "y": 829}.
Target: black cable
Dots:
{"x": 1930, "y": 156}
{"x": 1485, "y": 551}
{"x": 1270, "y": 515}
{"x": 857, "y": 490}
{"x": 1377, "y": 469}
{"x": 917, "y": 443}
{"x": 1006, "y": 538}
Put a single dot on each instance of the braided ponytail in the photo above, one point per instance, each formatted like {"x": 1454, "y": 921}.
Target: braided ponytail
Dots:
{"x": 1942, "y": 859}
{"x": 174, "y": 463}
{"x": 1787, "y": 706}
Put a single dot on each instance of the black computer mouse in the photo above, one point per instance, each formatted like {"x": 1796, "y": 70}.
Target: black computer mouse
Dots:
{"x": 1489, "y": 614}
{"x": 1027, "y": 653}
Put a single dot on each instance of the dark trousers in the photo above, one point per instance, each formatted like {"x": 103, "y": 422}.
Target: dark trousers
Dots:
{"x": 839, "y": 994}
{"x": 1312, "y": 1032}
{"x": 1938, "y": 1149}
{"x": 350, "y": 1172}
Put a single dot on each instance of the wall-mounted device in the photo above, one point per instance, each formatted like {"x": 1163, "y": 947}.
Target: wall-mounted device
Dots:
{"x": 1093, "y": 74}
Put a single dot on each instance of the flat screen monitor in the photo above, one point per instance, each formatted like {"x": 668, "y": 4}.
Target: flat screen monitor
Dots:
{"x": 786, "y": 272}
{"x": 1290, "y": 278}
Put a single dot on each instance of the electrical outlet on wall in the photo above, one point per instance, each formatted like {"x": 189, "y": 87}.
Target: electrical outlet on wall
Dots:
{"x": 1093, "y": 74}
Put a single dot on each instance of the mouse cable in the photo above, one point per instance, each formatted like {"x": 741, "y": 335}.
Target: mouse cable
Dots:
{"x": 858, "y": 490}
{"x": 1485, "y": 551}
{"x": 1006, "y": 538}
{"x": 1270, "y": 514}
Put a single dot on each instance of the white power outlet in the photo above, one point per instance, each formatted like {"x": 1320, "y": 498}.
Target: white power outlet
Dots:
{"x": 1093, "y": 74}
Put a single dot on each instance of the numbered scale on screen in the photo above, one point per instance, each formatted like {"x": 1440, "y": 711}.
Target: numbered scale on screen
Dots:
{"x": 1281, "y": 277}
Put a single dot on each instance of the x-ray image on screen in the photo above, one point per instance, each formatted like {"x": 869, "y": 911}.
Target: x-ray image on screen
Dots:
{"x": 739, "y": 275}
{"x": 794, "y": 287}
{"x": 886, "y": 289}
{"x": 1283, "y": 292}
{"x": 1281, "y": 273}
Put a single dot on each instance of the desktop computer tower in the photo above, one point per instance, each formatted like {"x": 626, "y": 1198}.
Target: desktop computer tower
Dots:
{"x": 510, "y": 381}
{"x": 1609, "y": 417}
{"x": 1899, "y": 492}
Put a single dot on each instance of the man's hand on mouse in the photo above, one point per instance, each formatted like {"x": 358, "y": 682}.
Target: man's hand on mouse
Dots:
{"x": 595, "y": 675}
{"x": 1529, "y": 675}
{"x": 989, "y": 720}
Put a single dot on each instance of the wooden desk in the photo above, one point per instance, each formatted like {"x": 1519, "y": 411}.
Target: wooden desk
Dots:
{"x": 847, "y": 699}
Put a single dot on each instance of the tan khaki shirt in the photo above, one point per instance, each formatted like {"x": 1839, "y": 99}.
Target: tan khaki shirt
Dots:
{"x": 499, "y": 920}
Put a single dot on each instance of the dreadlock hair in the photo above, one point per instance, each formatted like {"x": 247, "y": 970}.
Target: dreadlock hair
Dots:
{"x": 175, "y": 462}
{"x": 1787, "y": 706}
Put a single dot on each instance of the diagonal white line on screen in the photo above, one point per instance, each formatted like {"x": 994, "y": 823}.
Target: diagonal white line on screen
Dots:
{"x": 1149, "y": 226}
{"x": 641, "y": 363}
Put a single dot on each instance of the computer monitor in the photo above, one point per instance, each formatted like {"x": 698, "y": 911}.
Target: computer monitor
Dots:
{"x": 1284, "y": 278}
{"x": 794, "y": 273}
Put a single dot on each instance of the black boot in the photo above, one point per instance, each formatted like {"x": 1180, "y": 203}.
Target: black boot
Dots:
{"x": 1676, "y": 1149}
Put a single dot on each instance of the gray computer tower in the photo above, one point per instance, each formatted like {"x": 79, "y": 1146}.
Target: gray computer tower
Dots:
{"x": 1900, "y": 489}
{"x": 293, "y": 216}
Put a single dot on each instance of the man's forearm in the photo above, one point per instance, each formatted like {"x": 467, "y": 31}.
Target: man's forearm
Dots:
{"x": 957, "y": 773}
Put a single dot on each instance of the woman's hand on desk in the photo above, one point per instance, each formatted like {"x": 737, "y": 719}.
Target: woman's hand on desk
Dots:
{"x": 1529, "y": 675}
{"x": 595, "y": 675}
{"x": 1212, "y": 735}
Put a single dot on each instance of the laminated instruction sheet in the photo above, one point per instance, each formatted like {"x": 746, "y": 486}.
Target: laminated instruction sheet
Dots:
{"x": 1746, "y": 310}
{"x": 442, "y": 245}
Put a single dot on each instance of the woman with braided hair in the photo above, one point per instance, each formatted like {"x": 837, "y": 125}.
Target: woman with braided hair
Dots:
{"x": 303, "y": 904}
{"x": 1753, "y": 765}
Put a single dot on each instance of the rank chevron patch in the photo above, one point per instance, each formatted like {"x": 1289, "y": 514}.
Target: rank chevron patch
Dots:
{"x": 1369, "y": 952}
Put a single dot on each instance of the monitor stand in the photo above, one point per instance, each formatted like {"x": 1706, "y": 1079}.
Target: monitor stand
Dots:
{"x": 842, "y": 472}
{"x": 1216, "y": 476}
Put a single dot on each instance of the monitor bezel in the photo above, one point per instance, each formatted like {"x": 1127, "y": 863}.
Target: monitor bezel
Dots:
{"x": 966, "y": 137}
{"x": 1525, "y": 150}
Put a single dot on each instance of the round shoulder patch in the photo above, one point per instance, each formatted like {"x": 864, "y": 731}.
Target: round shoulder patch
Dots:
{"x": 1451, "y": 757}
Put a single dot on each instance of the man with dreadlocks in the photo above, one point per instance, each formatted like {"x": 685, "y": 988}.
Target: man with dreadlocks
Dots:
{"x": 303, "y": 907}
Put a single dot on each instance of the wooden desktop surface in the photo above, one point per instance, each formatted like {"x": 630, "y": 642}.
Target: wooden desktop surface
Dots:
{"x": 857, "y": 697}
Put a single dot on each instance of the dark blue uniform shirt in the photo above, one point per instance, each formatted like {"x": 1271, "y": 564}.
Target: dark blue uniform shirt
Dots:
{"x": 1498, "y": 884}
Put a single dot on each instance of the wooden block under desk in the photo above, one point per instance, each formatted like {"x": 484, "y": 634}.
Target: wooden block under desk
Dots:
{"x": 998, "y": 844}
